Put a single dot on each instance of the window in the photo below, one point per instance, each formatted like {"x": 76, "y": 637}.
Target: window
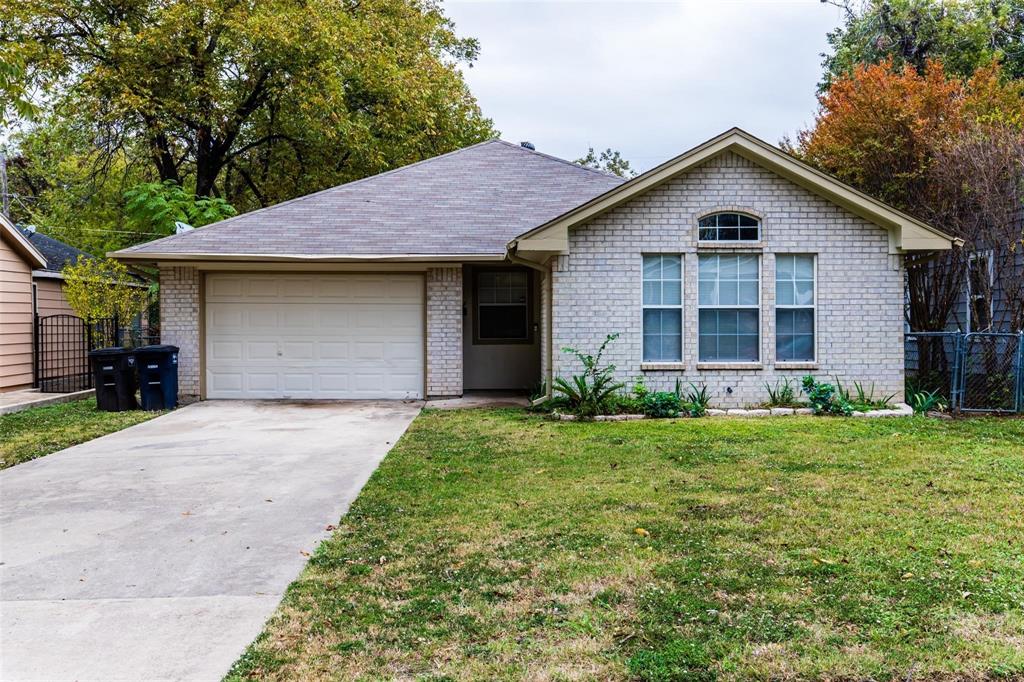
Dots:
{"x": 729, "y": 309}
{"x": 728, "y": 227}
{"x": 663, "y": 309}
{"x": 794, "y": 308}
{"x": 979, "y": 291}
{"x": 503, "y": 306}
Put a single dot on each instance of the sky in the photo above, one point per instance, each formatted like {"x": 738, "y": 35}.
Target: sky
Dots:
{"x": 650, "y": 79}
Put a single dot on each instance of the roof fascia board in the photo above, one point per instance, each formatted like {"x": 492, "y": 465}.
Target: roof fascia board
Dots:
{"x": 21, "y": 244}
{"x": 302, "y": 258}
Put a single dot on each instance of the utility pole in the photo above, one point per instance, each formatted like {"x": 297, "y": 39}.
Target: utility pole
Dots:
{"x": 5, "y": 198}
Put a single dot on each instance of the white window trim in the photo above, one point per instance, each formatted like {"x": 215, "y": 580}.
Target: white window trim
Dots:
{"x": 813, "y": 307}
{"x": 760, "y": 318}
{"x": 744, "y": 242}
{"x": 525, "y": 305}
{"x": 987, "y": 255}
{"x": 663, "y": 364}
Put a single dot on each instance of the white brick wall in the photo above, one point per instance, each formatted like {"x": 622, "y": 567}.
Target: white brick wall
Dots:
{"x": 179, "y": 324}
{"x": 444, "y": 331}
{"x": 597, "y": 287}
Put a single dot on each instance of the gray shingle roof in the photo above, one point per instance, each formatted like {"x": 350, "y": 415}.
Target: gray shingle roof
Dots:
{"x": 57, "y": 253}
{"x": 469, "y": 202}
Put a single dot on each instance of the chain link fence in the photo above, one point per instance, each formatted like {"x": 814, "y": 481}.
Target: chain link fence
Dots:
{"x": 973, "y": 372}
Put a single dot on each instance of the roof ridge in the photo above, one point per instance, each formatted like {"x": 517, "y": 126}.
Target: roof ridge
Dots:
{"x": 295, "y": 200}
{"x": 559, "y": 159}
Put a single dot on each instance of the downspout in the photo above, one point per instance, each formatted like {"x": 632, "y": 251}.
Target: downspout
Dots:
{"x": 546, "y": 271}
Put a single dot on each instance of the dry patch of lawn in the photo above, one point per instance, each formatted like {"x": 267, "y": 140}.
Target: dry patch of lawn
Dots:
{"x": 493, "y": 544}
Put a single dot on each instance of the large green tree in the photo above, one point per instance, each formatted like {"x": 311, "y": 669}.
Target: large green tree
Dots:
{"x": 254, "y": 101}
{"x": 962, "y": 34}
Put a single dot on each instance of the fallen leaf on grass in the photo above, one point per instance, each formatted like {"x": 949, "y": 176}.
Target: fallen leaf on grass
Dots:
{"x": 642, "y": 532}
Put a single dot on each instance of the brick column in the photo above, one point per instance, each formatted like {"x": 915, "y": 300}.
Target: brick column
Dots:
{"x": 179, "y": 324}
{"x": 444, "y": 331}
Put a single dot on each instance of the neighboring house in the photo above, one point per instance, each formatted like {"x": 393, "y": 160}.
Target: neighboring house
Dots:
{"x": 732, "y": 265}
{"x": 49, "y": 282}
{"x": 18, "y": 260}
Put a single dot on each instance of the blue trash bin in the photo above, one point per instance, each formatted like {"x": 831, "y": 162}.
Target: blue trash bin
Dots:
{"x": 158, "y": 376}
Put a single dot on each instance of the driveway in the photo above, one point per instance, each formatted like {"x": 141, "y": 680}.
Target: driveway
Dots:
{"x": 158, "y": 552}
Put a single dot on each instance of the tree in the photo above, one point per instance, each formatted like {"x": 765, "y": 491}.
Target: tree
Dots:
{"x": 943, "y": 148}
{"x": 100, "y": 288}
{"x": 608, "y": 161}
{"x": 252, "y": 102}
{"x": 963, "y": 34}
{"x": 158, "y": 206}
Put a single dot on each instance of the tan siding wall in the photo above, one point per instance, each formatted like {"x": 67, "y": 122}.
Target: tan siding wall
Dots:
{"x": 15, "y": 320}
{"x": 50, "y": 298}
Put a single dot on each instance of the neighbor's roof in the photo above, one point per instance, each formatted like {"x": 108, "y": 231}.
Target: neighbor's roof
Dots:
{"x": 906, "y": 232}
{"x": 466, "y": 203}
{"x": 57, "y": 253}
{"x": 21, "y": 245}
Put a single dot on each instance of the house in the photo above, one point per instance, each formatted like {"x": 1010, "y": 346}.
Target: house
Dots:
{"x": 732, "y": 265}
{"x": 32, "y": 288}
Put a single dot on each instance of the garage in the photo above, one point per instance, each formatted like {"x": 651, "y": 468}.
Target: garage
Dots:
{"x": 328, "y": 336}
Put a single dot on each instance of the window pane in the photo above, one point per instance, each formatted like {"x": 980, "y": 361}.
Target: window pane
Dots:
{"x": 728, "y": 234}
{"x": 794, "y": 335}
{"x": 783, "y": 268}
{"x": 670, "y": 293}
{"x": 728, "y": 347}
{"x": 804, "y": 292}
{"x": 746, "y": 267}
{"x": 728, "y": 293}
{"x": 748, "y": 234}
{"x": 803, "y": 321}
{"x": 670, "y": 267}
{"x": 784, "y": 293}
{"x": 706, "y": 234}
{"x": 747, "y": 351}
{"x": 707, "y": 266}
{"x": 727, "y": 267}
{"x": 707, "y": 221}
{"x": 708, "y": 321}
{"x": 728, "y": 220}
{"x": 652, "y": 293}
{"x": 671, "y": 348}
{"x": 728, "y": 227}
{"x": 804, "y": 267}
{"x": 652, "y": 267}
{"x": 708, "y": 347}
{"x": 747, "y": 221}
{"x": 652, "y": 348}
{"x": 503, "y": 322}
{"x": 748, "y": 293}
{"x": 748, "y": 321}
{"x": 662, "y": 335}
{"x": 652, "y": 322}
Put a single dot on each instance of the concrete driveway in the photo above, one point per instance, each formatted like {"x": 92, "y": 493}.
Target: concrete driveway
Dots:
{"x": 157, "y": 553}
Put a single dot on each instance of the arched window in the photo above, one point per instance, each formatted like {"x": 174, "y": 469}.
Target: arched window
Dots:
{"x": 729, "y": 227}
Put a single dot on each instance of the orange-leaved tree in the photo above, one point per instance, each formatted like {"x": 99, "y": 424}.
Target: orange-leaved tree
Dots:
{"x": 901, "y": 136}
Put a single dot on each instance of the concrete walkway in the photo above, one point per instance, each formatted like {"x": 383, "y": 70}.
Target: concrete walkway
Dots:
{"x": 27, "y": 398}
{"x": 158, "y": 552}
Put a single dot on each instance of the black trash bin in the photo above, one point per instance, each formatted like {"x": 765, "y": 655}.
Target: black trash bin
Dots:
{"x": 158, "y": 376}
{"x": 113, "y": 371}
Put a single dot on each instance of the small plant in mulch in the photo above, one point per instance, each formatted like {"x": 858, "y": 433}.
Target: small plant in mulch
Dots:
{"x": 824, "y": 398}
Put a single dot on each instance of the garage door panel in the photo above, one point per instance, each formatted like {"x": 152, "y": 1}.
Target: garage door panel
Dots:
{"x": 314, "y": 336}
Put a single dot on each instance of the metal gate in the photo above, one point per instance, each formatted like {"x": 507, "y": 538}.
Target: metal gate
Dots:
{"x": 992, "y": 372}
{"x": 976, "y": 372}
{"x": 62, "y": 345}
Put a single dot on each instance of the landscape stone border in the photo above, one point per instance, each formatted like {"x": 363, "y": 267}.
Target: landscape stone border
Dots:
{"x": 899, "y": 410}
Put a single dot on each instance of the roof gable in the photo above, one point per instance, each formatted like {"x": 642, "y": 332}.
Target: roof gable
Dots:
{"x": 906, "y": 232}
{"x": 462, "y": 205}
{"x": 20, "y": 244}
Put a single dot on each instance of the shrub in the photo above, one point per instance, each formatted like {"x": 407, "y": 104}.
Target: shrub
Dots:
{"x": 824, "y": 399}
{"x": 925, "y": 401}
{"x": 781, "y": 394}
{"x": 589, "y": 394}
{"x": 661, "y": 404}
{"x": 862, "y": 400}
{"x": 697, "y": 400}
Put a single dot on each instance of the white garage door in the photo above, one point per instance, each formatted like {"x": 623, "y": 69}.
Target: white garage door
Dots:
{"x": 314, "y": 336}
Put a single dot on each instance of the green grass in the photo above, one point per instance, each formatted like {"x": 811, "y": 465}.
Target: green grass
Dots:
{"x": 42, "y": 430}
{"x": 499, "y": 545}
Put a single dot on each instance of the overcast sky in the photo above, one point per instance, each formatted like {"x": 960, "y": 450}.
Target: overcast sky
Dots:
{"x": 650, "y": 79}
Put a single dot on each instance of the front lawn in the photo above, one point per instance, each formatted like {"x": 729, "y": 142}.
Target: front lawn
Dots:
{"x": 492, "y": 544}
{"x": 42, "y": 430}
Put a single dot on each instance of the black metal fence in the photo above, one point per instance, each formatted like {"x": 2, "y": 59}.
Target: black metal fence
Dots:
{"x": 62, "y": 345}
{"x": 974, "y": 372}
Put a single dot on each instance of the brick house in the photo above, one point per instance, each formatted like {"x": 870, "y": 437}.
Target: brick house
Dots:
{"x": 731, "y": 265}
